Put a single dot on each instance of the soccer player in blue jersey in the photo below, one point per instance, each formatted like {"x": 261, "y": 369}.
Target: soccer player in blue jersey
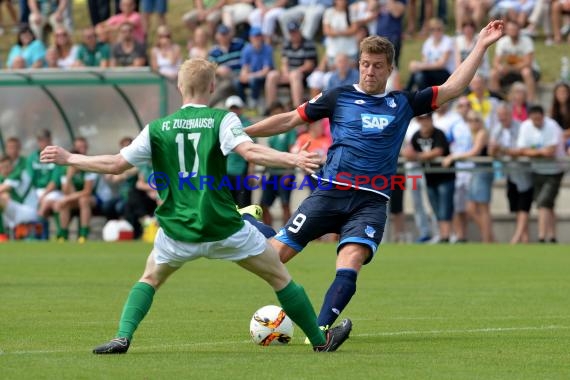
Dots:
{"x": 368, "y": 126}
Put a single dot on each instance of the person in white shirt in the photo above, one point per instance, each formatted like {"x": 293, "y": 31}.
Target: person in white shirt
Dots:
{"x": 540, "y": 137}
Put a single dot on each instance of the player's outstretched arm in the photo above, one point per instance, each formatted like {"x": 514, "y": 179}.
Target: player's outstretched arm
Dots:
{"x": 265, "y": 156}
{"x": 275, "y": 124}
{"x": 461, "y": 77}
{"x": 109, "y": 164}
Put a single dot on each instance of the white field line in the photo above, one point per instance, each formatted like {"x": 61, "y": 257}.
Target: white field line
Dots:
{"x": 393, "y": 333}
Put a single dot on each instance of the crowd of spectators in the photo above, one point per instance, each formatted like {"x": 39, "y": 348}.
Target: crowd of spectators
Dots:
{"x": 265, "y": 49}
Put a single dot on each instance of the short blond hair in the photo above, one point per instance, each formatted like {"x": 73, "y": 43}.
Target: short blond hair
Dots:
{"x": 195, "y": 77}
{"x": 378, "y": 45}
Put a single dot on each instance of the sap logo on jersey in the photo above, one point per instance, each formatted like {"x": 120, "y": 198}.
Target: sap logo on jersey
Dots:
{"x": 371, "y": 122}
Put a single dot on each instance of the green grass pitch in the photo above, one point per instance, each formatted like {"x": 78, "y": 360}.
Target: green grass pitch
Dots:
{"x": 420, "y": 312}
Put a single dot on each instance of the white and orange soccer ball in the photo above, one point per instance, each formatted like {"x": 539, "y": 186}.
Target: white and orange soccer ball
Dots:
{"x": 270, "y": 325}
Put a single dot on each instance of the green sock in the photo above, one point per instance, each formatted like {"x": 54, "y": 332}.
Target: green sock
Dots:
{"x": 84, "y": 232}
{"x": 63, "y": 233}
{"x": 57, "y": 222}
{"x": 2, "y": 231}
{"x": 137, "y": 305}
{"x": 298, "y": 307}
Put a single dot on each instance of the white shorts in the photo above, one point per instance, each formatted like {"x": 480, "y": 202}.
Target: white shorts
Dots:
{"x": 16, "y": 213}
{"x": 247, "y": 242}
{"x": 51, "y": 196}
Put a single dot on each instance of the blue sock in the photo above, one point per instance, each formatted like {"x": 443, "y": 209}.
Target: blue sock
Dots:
{"x": 267, "y": 231}
{"x": 339, "y": 294}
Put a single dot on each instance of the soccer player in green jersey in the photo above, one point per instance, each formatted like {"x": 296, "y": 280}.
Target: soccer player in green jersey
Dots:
{"x": 201, "y": 221}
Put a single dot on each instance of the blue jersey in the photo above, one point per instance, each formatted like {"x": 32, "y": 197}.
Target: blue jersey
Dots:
{"x": 367, "y": 133}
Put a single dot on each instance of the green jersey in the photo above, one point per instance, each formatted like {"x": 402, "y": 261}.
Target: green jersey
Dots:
{"x": 189, "y": 148}
{"x": 41, "y": 172}
{"x": 21, "y": 190}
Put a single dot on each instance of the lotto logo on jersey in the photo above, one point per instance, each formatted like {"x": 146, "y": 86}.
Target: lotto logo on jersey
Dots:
{"x": 375, "y": 123}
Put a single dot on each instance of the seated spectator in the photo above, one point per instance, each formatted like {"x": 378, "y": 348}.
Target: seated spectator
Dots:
{"x": 344, "y": 73}
{"x": 165, "y": 57}
{"x": 204, "y": 12}
{"x": 92, "y": 53}
{"x": 17, "y": 203}
{"x": 127, "y": 52}
{"x": 516, "y": 10}
{"x": 103, "y": 33}
{"x": 464, "y": 44}
{"x": 319, "y": 141}
{"x": 13, "y": 149}
{"x": 100, "y": 10}
{"x": 227, "y": 55}
{"x": 236, "y": 12}
{"x": 482, "y": 101}
{"x": 560, "y": 9}
{"x": 514, "y": 61}
{"x": 44, "y": 13}
{"x": 256, "y": 63}
{"x": 298, "y": 60}
{"x": 282, "y": 178}
{"x": 518, "y": 99}
{"x": 28, "y": 52}
{"x": 480, "y": 187}
{"x": 128, "y": 15}
{"x": 427, "y": 144}
{"x": 141, "y": 201}
{"x": 310, "y": 12}
{"x": 265, "y": 16}
{"x": 199, "y": 46}
{"x": 51, "y": 59}
{"x": 148, "y": 7}
{"x": 475, "y": 10}
{"x": 340, "y": 32}
{"x": 13, "y": 15}
{"x": 560, "y": 110}
{"x": 519, "y": 181}
{"x": 541, "y": 137}
{"x": 437, "y": 62}
{"x": 65, "y": 48}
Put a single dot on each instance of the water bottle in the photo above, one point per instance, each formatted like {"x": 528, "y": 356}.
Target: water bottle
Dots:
{"x": 565, "y": 69}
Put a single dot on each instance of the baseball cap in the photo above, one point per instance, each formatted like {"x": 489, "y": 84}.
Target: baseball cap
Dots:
{"x": 234, "y": 101}
{"x": 255, "y": 31}
{"x": 293, "y": 25}
{"x": 222, "y": 29}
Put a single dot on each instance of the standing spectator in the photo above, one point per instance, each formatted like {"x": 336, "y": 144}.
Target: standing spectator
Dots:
{"x": 227, "y": 55}
{"x": 92, "y": 53}
{"x": 560, "y": 110}
{"x": 127, "y": 52}
{"x": 237, "y": 167}
{"x": 298, "y": 60}
{"x": 128, "y": 15}
{"x": 427, "y": 144}
{"x": 44, "y": 13}
{"x": 390, "y": 24}
{"x": 340, "y": 32}
{"x": 165, "y": 56}
{"x": 64, "y": 47}
{"x": 519, "y": 181}
{"x": 256, "y": 63}
{"x": 279, "y": 181}
{"x": 518, "y": 99}
{"x": 265, "y": 16}
{"x": 28, "y": 52}
{"x": 541, "y": 137}
{"x": 310, "y": 11}
{"x": 514, "y": 61}
{"x": 461, "y": 141}
{"x": 437, "y": 62}
{"x": 148, "y": 7}
{"x": 478, "y": 206}
{"x": 198, "y": 47}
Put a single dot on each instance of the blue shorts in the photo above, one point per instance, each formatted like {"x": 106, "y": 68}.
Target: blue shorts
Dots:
{"x": 481, "y": 186}
{"x": 441, "y": 199}
{"x": 359, "y": 216}
{"x": 154, "y": 6}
